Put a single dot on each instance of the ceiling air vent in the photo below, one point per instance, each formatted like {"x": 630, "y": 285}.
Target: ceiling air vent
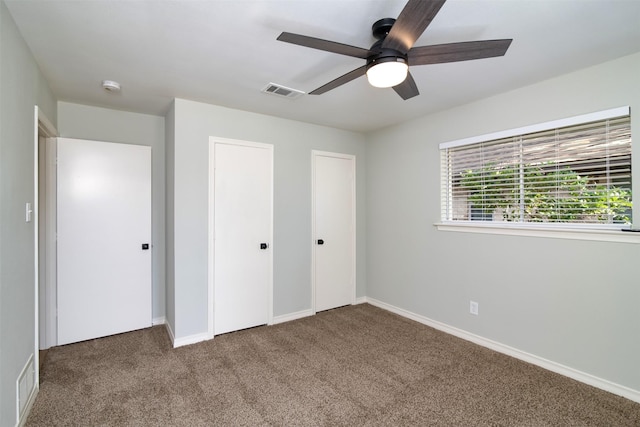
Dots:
{"x": 285, "y": 92}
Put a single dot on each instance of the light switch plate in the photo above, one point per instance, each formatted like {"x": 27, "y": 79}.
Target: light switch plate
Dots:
{"x": 28, "y": 211}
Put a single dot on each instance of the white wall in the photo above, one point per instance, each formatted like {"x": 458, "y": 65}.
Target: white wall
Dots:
{"x": 21, "y": 87}
{"x": 101, "y": 124}
{"x": 572, "y": 302}
{"x": 293, "y": 142}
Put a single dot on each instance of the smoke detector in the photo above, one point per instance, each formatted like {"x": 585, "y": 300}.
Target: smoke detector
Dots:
{"x": 111, "y": 86}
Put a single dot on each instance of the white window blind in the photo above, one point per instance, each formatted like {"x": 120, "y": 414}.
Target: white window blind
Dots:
{"x": 574, "y": 174}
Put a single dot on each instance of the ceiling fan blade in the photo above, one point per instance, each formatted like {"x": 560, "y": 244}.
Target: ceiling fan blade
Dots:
{"x": 411, "y": 23}
{"x": 407, "y": 89}
{"x": 453, "y": 52}
{"x": 326, "y": 45}
{"x": 346, "y": 78}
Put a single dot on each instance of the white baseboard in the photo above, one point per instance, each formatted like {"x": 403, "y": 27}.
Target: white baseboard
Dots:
{"x": 558, "y": 368}
{"x": 306, "y": 313}
{"x": 172, "y": 337}
{"x": 292, "y": 316}
{"x": 193, "y": 339}
{"x": 190, "y": 339}
{"x": 158, "y": 321}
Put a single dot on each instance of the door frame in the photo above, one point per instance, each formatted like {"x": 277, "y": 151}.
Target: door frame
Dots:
{"x": 48, "y": 265}
{"x": 42, "y": 127}
{"x": 213, "y": 140}
{"x": 351, "y": 157}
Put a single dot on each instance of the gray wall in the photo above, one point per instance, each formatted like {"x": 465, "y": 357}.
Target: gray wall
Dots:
{"x": 293, "y": 142}
{"x": 21, "y": 88}
{"x": 571, "y": 302}
{"x": 100, "y": 124}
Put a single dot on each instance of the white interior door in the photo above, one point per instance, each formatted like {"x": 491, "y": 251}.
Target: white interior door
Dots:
{"x": 333, "y": 230}
{"x": 103, "y": 221}
{"x": 242, "y": 210}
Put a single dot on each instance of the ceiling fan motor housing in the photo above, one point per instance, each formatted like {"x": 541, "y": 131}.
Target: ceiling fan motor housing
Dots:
{"x": 380, "y": 30}
{"x": 380, "y": 58}
{"x": 385, "y": 55}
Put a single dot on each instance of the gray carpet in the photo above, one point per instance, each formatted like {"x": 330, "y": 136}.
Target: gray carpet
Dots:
{"x": 356, "y": 365}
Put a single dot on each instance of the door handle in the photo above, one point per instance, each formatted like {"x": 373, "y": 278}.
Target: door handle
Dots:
{"x": 264, "y": 246}
{"x": 145, "y": 246}
{"x": 320, "y": 242}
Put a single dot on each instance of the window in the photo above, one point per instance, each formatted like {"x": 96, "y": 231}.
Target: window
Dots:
{"x": 570, "y": 172}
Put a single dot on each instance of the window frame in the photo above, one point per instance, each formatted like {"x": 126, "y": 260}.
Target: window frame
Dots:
{"x": 598, "y": 232}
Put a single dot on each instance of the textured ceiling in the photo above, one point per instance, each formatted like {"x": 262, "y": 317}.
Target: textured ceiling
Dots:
{"x": 225, "y": 52}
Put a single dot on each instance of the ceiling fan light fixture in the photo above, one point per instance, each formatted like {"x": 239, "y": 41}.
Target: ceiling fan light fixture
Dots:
{"x": 387, "y": 72}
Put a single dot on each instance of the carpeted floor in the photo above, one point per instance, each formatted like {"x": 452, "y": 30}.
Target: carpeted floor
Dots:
{"x": 356, "y": 366}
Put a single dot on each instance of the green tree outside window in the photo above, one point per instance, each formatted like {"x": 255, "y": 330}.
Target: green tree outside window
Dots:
{"x": 545, "y": 193}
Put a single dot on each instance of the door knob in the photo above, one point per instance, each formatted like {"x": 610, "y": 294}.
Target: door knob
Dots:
{"x": 320, "y": 242}
{"x": 264, "y": 246}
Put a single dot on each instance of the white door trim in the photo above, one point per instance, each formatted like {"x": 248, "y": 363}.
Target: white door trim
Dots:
{"x": 211, "y": 233}
{"x": 51, "y": 275}
{"x": 41, "y": 126}
{"x": 314, "y": 155}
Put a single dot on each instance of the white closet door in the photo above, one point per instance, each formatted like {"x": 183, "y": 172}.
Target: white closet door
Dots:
{"x": 334, "y": 230}
{"x": 104, "y": 239}
{"x": 242, "y": 234}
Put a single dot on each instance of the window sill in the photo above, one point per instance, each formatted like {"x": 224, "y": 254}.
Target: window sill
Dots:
{"x": 542, "y": 231}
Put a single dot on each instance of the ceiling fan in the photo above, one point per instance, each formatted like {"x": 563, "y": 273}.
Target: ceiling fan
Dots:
{"x": 389, "y": 58}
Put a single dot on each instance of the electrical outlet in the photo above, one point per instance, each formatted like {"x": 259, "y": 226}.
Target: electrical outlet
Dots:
{"x": 473, "y": 307}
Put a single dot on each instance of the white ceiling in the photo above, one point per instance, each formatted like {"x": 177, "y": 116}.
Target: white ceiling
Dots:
{"x": 224, "y": 52}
